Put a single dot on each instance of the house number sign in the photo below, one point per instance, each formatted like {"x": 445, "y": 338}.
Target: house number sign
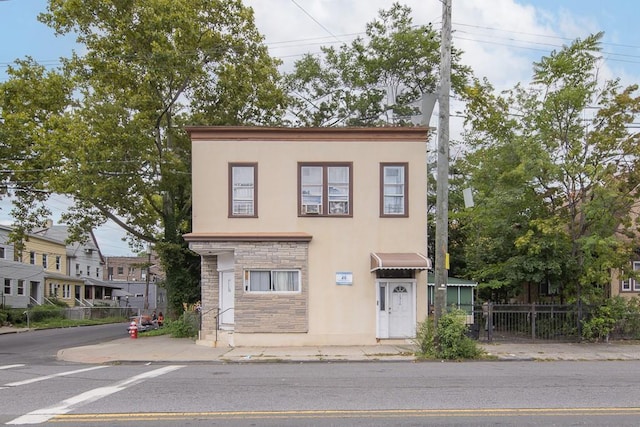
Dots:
{"x": 344, "y": 278}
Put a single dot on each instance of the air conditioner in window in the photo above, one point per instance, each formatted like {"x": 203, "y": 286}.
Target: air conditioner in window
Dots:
{"x": 311, "y": 209}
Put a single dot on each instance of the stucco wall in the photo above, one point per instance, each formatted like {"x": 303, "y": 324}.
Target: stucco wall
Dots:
{"x": 335, "y": 312}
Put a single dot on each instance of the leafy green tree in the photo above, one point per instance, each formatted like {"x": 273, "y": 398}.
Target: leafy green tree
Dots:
{"x": 555, "y": 182}
{"x": 108, "y": 126}
{"x": 373, "y": 81}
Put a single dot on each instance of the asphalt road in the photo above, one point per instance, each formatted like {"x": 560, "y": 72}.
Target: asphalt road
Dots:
{"x": 42, "y": 346}
{"x": 37, "y": 390}
{"x": 371, "y": 393}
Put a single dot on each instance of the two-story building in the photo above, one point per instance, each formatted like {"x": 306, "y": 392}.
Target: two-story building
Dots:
{"x": 83, "y": 263}
{"x": 21, "y": 285}
{"x": 310, "y": 236}
{"x": 51, "y": 255}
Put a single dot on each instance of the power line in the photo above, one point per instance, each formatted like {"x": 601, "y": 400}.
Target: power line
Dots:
{"x": 315, "y": 20}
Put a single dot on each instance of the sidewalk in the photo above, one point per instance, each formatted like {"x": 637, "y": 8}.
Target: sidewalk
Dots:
{"x": 181, "y": 350}
{"x": 163, "y": 348}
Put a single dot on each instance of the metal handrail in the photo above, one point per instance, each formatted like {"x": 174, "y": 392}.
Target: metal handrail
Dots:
{"x": 217, "y": 317}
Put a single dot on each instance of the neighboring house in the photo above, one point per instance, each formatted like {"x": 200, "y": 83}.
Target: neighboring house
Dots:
{"x": 627, "y": 288}
{"x": 51, "y": 255}
{"x": 21, "y": 285}
{"x": 132, "y": 294}
{"x": 136, "y": 276}
{"x": 82, "y": 262}
{"x": 133, "y": 268}
{"x": 310, "y": 236}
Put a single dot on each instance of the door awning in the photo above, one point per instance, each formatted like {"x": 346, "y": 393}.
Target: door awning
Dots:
{"x": 399, "y": 261}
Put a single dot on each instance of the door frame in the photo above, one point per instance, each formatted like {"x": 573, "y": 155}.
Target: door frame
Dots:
{"x": 227, "y": 308}
{"x": 383, "y": 318}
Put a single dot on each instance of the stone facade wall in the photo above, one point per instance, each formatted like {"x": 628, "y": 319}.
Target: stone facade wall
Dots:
{"x": 209, "y": 292}
{"x": 258, "y": 313}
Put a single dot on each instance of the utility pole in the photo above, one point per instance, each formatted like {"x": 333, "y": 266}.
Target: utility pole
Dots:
{"x": 442, "y": 185}
{"x": 146, "y": 287}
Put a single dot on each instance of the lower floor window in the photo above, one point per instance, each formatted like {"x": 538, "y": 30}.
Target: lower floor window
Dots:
{"x": 66, "y": 291}
{"x": 272, "y": 280}
{"x": 20, "y": 287}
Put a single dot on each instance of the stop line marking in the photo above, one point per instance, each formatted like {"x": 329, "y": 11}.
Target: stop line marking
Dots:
{"x": 45, "y": 414}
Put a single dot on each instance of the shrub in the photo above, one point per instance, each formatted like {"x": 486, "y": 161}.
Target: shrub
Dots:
{"x": 617, "y": 316}
{"x": 58, "y": 303}
{"x": 426, "y": 338}
{"x": 453, "y": 343}
{"x": 448, "y": 340}
{"x": 45, "y": 312}
{"x": 186, "y": 326}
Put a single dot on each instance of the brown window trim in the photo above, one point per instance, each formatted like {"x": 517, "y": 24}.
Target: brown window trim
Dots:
{"x": 255, "y": 190}
{"x": 405, "y": 214}
{"x": 325, "y": 185}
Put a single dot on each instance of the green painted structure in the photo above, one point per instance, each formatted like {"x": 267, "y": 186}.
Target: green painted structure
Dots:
{"x": 460, "y": 293}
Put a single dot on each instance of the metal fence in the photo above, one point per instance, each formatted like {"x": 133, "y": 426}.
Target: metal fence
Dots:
{"x": 531, "y": 322}
{"x": 84, "y": 313}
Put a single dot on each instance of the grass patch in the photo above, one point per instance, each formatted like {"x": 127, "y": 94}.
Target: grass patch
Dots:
{"x": 69, "y": 323}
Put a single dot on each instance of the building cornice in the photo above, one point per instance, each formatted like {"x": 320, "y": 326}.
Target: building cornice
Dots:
{"x": 326, "y": 134}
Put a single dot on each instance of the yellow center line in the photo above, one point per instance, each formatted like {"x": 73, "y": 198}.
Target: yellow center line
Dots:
{"x": 158, "y": 416}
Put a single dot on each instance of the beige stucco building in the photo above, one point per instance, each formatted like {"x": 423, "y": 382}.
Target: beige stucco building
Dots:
{"x": 310, "y": 236}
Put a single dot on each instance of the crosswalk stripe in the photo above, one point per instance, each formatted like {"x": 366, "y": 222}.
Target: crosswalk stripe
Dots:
{"x": 45, "y": 414}
{"x": 46, "y": 377}
{"x": 11, "y": 366}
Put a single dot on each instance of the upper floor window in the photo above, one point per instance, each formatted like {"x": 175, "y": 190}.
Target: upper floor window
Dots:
{"x": 272, "y": 280}
{"x": 630, "y": 284}
{"x": 120, "y": 270}
{"x": 325, "y": 189}
{"x": 45, "y": 261}
{"x": 243, "y": 195}
{"x": 58, "y": 261}
{"x": 1, "y": 252}
{"x": 393, "y": 187}
{"x": 32, "y": 258}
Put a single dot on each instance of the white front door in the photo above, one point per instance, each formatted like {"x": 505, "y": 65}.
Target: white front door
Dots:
{"x": 396, "y": 309}
{"x": 227, "y": 292}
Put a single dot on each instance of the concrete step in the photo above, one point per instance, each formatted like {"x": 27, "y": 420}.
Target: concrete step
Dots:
{"x": 221, "y": 339}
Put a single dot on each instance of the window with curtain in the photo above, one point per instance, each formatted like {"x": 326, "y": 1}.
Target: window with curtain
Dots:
{"x": 272, "y": 280}
{"x": 242, "y": 191}
{"x": 326, "y": 189}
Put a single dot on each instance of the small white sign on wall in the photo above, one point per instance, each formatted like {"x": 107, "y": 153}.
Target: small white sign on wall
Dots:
{"x": 344, "y": 278}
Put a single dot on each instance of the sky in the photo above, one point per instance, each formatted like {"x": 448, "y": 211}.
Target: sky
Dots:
{"x": 500, "y": 40}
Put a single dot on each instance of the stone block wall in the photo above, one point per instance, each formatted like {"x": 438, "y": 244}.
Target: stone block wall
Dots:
{"x": 258, "y": 312}
{"x": 209, "y": 294}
